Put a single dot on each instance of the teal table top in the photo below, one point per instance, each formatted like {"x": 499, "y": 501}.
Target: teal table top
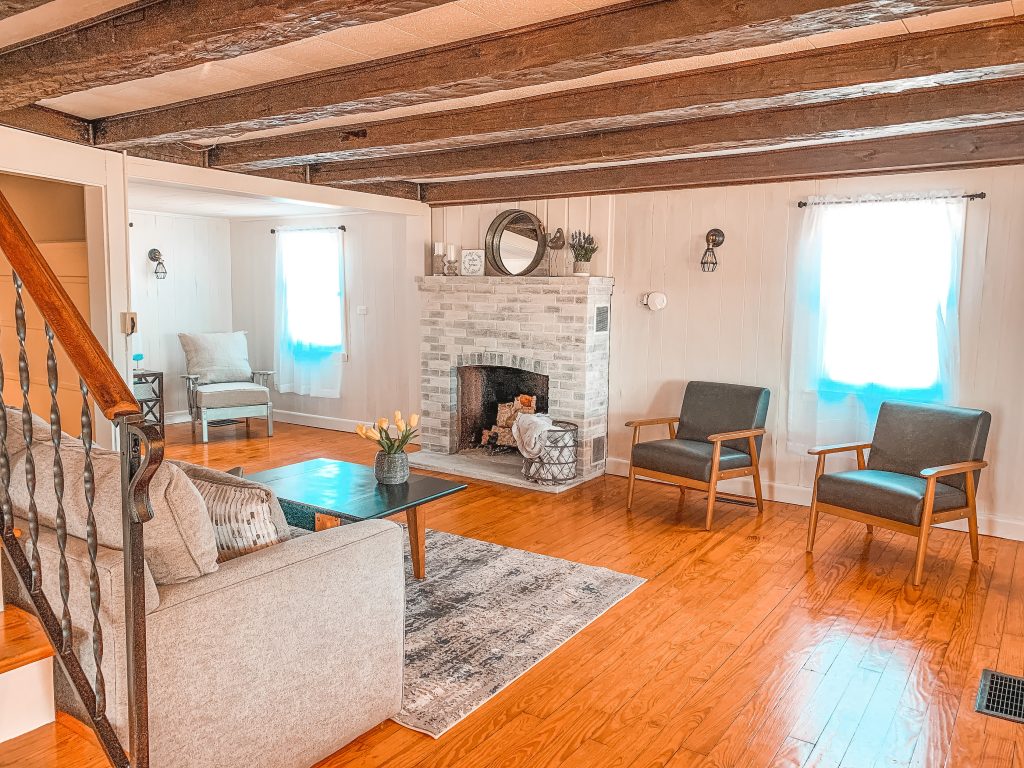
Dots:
{"x": 348, "y": 491}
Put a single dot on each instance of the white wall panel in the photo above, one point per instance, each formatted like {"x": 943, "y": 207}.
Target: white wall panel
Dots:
{"x": 729, "y": 325}
{"x": 195, "y": 297}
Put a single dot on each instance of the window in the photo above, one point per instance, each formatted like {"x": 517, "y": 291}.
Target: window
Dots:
{"x": 876, "y": 287}
{"x": 309, "y": 312}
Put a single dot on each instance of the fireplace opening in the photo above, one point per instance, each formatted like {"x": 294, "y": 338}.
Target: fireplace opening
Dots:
{"x": 482, "y": 388}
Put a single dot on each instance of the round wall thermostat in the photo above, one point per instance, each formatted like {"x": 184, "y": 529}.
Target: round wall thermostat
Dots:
{"x": 655, "y": 301}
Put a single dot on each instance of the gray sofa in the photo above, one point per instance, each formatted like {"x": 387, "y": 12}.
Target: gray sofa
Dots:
{"x": 279, "y": 657}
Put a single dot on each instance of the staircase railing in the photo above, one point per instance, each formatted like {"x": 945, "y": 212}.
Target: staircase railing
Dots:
{"x": 141, "y": 449}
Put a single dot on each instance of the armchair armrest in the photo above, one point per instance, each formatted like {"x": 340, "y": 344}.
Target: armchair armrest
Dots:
{"x": 652, "y": 422}
{"x": 262, "y": 377}
{"x": 669, "y": 421}
{"x": 959, "y": 468}
{"x": 737, "y": 435}
{"x": 824, "y": 450}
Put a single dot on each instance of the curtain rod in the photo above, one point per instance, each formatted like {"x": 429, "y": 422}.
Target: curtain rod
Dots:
{"x": 972, "y": 196}
{"x": 307, "y": 229}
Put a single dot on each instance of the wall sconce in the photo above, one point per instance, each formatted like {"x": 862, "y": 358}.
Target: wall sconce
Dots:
{"x": 714, "y": 239}
{"x": 160, "y": 270}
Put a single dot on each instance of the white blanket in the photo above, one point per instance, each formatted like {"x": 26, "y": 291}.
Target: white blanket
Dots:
{"x": 529, "y": 429}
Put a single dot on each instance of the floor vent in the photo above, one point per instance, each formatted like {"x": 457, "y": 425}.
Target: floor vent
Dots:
{"x": 1001, "y": 696}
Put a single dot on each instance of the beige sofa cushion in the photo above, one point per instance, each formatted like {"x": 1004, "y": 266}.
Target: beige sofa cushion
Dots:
{"x": 40, "y": 432}
{"x": 231, "y": 395}
{"x": 180, "y": 542}
{"x": 216, "y": 357}
{"x": 246, "y": 515}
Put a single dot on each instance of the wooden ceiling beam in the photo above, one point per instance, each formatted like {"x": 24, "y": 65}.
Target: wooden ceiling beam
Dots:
{"x": 13, "y": 7}
{"x": 48, "y": 122}
{"x": 995, "y": 145}
{"x": 925, "y": 111}
{"x": 149, "y": 39}
{"x": 625, "y": 35}
{"x": 889, "y": 65}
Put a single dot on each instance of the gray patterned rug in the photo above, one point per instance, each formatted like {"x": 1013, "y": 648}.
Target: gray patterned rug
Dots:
{"x": 483, "y": 616}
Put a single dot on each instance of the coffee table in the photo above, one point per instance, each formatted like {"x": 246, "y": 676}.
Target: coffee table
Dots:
{"x": 324, "y": 493}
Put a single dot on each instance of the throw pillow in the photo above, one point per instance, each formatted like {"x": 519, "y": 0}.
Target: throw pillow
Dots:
{"x": 246, "y": 516}
{"x": 40, "y": 432}
{"x": 180, "y": 542}
{"x": 216, "y": 358}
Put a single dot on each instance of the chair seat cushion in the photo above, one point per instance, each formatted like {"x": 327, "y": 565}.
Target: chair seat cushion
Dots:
{"x": 891, "y": 495}
{"x": 231, "y": 395}
{"x": 685, "y": 458}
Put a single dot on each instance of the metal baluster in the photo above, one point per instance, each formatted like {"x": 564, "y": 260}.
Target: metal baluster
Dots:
{"x": 58, "y": 489}
{"x": 5, "y": 463}
{"x": 26, "y": 426}
{"x": 89, "y": 478}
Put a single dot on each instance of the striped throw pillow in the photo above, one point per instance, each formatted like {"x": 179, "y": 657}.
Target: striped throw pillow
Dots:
{"x": 242, "y": 517}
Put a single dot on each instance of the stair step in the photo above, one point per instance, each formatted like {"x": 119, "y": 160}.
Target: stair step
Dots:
{"x": 65, "y": 743}
{"x": 22, "y": 639}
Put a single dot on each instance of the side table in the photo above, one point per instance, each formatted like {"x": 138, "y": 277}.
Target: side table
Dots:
{"x": 148, "y": 387}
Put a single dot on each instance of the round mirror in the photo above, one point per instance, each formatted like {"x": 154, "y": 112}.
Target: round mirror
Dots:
{"x": 515, "y": 243}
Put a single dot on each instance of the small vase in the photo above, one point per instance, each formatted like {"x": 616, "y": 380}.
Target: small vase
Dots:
{"x": 581, "y": 268}
{"x": 391, "y": 468}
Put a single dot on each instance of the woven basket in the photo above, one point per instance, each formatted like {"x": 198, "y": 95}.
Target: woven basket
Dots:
{"x": 556, "y": 463}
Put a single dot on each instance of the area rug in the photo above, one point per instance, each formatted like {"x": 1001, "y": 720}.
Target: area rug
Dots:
{"x": 483, "y": 616}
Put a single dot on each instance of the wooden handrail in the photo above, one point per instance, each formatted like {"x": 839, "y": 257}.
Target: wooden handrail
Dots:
{"x": 108, "y": 388}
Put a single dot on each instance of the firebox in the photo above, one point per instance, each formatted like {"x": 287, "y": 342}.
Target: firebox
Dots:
{"x": 481, "y": 388}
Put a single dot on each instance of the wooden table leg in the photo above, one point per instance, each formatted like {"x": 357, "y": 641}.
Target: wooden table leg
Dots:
{"x": 416, "y": 518}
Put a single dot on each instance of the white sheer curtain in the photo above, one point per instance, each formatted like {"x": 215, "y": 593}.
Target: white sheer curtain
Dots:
{"x": 874, "y": 314}
{"x": 309, "y": 317}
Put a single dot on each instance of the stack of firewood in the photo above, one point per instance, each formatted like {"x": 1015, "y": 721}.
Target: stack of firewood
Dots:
{"x": 501, "y": 433}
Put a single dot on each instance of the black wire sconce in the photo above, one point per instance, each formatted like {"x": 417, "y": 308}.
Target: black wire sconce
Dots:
{"x": 160, "y": 270}
{"x": 714, "y": 239}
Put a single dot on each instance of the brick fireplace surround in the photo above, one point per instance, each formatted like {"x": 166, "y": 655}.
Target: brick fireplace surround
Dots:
{"x": 555, "y": 326}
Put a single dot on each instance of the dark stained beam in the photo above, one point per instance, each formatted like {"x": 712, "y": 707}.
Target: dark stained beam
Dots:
{"x": 632, "y": 33}
{"x": 12, "y": 7}
{"x": 299, "y": 173}
{"x": 996, "y": 145}
{"x": 890, "y": 65}
{"x": 948, "y": 108}
{"x": 406, "y": 190}
{"x": 48, "y": 122}
{"x": 173, "y": 34}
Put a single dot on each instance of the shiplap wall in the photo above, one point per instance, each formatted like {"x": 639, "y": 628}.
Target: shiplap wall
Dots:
{"x": 729, "y": 325}
{"x": 383, "y": 255}
{"x": 195, "y": 297}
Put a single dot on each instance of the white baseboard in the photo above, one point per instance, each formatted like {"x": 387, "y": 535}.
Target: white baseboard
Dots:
{"x": 990, "y": 525}
{"x": 176, "y": 417}
{"x": 322, "y": 422}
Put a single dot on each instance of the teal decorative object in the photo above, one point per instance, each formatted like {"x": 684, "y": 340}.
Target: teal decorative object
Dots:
{"x": 137, "y": 357}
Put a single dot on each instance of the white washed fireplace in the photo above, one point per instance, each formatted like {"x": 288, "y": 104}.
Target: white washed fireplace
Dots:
{"x": 554, "y": 326}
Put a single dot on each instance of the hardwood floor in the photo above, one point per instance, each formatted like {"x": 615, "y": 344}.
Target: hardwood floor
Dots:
{"x": 740, "y": 650}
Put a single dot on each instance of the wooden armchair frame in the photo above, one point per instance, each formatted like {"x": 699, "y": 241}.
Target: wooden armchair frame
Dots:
{"x": 928, "y": 516}
{"x": 711, "y": 487}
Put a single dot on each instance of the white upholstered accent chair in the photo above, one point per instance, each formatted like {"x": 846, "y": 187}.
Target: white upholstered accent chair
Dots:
{"x": 220, "y": 382}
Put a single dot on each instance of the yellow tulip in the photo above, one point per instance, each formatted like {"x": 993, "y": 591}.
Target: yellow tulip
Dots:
{"x": 398, "y": 417}
{"x": 360, "y": 430}
{"x": 382, "y": 423}
{"x": 400, "y": 424}
{"x": 373, "y": 434}
{"x": 414, "y": 419}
